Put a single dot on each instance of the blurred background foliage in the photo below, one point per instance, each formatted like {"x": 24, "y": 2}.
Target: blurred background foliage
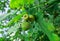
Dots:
{"x": 46, "y": 26}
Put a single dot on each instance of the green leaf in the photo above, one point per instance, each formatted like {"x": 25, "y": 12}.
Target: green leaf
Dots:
{"x": 13, "y": 28}
{"x": 44, "y": 26}
{"x": 6, "y": 15}
{"x": 14, "y": 20}
{"x": 19, "y": 3}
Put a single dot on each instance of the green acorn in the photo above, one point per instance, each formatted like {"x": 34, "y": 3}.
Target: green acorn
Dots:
{"x": 25, "y": 25}
{"x": 31, "y": 18}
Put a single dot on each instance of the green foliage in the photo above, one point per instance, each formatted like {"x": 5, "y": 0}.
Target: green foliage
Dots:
{"x": 43, "y": 28}
{"x": 57, "y": 21}
{"x": 19, "y": 3}
{"x": 3, "y": 4}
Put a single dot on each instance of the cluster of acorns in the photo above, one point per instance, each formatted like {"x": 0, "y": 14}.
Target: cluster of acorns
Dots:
{"x": 26, "y": 24}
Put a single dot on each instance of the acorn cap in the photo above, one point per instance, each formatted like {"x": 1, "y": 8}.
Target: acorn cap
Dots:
{"x": 25, "y": 16}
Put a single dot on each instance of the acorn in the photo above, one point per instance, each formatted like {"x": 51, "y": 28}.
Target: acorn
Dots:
{"x": 25, "y": 16}
{"x": 31, "y": 18}
{"x": 25, "y": 25}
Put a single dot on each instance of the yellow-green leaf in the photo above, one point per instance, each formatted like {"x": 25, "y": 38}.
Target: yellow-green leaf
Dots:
{"x": 18, "y": 3}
